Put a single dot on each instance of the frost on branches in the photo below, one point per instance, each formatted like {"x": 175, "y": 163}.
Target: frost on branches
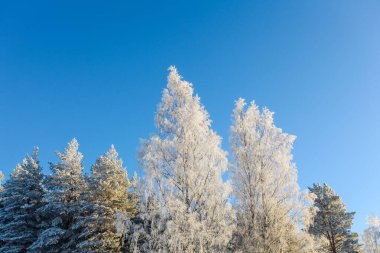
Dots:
{"x": 272, "y": 212}
{"x": 20, "y": 198}
{"x": 64, "y": 188}
{"x": 144, "y": 230}
{"x": 371, "y": 236}
{"x": 184, "y": 204}
{"x": 108, "y": 201}
{"x": 184, "y": 164}
{"x": 332, "y": 223}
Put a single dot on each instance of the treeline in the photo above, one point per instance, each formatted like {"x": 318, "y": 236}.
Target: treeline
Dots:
{"x": 184, "y": 202}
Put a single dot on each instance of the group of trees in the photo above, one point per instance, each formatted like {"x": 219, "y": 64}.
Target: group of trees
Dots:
{"x": 66, "y": 211}
{"x": 188, "y": 200}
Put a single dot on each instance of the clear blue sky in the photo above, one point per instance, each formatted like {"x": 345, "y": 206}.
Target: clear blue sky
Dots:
{"x": 95, "y": 71}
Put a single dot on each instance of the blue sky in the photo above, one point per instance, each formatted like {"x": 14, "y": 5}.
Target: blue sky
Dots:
{"x": 95, "y": 71}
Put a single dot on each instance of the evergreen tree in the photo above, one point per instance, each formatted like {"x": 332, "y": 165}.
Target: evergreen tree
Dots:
{"x": 107, "y": 199}
{"x": 371, "y": 236}
{"x": 351, "y": 245}
{"x": 270, "y": 206}
{"x": 21, "y": 197}
{"x": 184, "y": 165}
{"x": 64, "y": 188}
{"x": 332, "y": 223}
{"x": 145, "y": 228}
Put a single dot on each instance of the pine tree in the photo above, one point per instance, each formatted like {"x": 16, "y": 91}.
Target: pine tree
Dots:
{"x": 184, "y": 164}
{"x": 332, "y": 223}
{"x": 371, "y": 236}
{"x": 351, "y": 245}
{"x": 108, "y": 197}
{"x": 270, "y": 206}
{"x": 21, "y": 197}
{"x": 64, "y": 188}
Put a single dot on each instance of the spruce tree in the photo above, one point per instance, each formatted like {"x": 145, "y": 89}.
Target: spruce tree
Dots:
{"x": 64, "y": 188}
{"x": 108, "y": 199}
{"x": 332, "y": 223}
{"x": 21, "y": 198}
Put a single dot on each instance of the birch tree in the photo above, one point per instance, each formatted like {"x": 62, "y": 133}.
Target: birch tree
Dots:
{"x": 21, "y": 197}
{"x": 183, "y": 165}
{"x": 272, "y": 211}
{"x": 371, "y": 235}
{"x": 64, "y": 188}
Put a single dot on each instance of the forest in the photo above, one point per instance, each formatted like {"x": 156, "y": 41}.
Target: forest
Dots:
{"x": 192, "y": 197}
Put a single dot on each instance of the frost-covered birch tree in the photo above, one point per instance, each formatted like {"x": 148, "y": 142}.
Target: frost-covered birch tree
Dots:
{"x": 64, "y": 188}
{"x": 332, "y": 223}
{"x": 183, "y": 165}
{"x": 371, "y": 235}
{"x": 22, "y": 196}
{"x": 272, "y": 212}
{"x": 108, "y": 197}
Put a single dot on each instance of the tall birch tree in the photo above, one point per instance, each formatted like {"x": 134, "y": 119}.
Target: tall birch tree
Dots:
{"x": 184, "y": 164}
{"x": 272, "y": 211}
